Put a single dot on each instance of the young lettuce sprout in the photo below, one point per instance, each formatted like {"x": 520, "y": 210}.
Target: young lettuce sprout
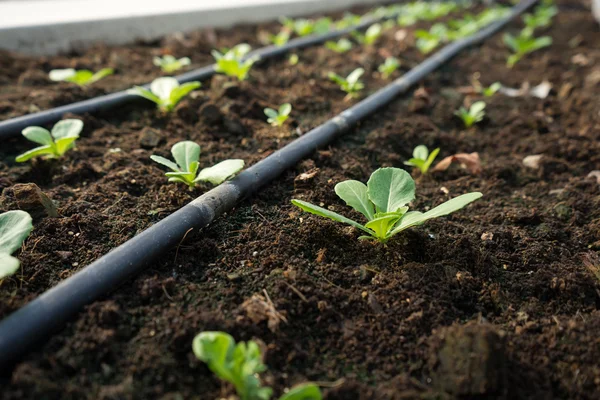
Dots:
{"x": 541, "y": 18}
{"x": 233, "y": 63}
{"x": 523, "y": 44}
{"x": 170, "y": 64}
{"x": 15, "y": 226}
{"x": 302, "y": 26}
{"x": 322, "y": 26}
{"x": 185, "y": 167}
{"x": 82, "y": 77}
{"x": 55, "y": 144}
{"x": 370, "y": 36}
{"x": 383, "y": 201}
{"x": 278, "y": 117}
{"x": 294, "y": 59}
{"x": 348, "y": 20}
{"x": 281, "y": 38}
{"x": 390, "y": 65}
{"x": 341, "y": 46}
{"x": 166, "y": 92}
{"x": 240, "y": 364}
{"x": 427, "y": 41}
{"x": 422, "y": 159}
{"x": 474, "y": 114}
{"x": 351, "y": 84}
{"x": 491, "y": 90}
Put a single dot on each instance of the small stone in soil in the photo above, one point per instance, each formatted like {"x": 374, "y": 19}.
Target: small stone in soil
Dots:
{"x": 150, "y": 138}
{"x": 28, "y": 197}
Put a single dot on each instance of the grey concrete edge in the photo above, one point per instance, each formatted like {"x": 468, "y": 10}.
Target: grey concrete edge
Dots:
{"x": 55, "y": 38}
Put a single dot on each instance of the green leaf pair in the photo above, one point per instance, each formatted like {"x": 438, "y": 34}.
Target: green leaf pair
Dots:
{"x": 185, "y": 168}
{"x": 165, "y": 92}
{"x": 233, "y": 62}
{"x": 15, "y": 226}
{"x": 383, "y": 201}
{"x": 278, "y": 117}
{"x": 240, "y": 364}
{"x": 55, "y": 144}
{"x": 82, "y": 77}
{"x": 422, "y": 159}
{"x": 351, "y": 84}
{"x": 491, "y": 90}
{"x": 170, "y": 64}
{"x": 523, "y": 44}
{"x": 341, "y": 46}
{"x": 370, "y": 36}
{"x": 427, "y": 41}
{"x": 473, "y": 115}
{"x": 390, "y": 65}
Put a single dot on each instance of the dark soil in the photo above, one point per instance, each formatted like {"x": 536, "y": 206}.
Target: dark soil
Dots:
{"x": 498, "y": 300}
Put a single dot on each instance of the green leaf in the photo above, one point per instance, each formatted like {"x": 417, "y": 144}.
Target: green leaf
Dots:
{"x": 162, "y": 87}
{"x": 82, "y": 77}
{"x": 167, "y": 163}
{"x": 145, "y": 93}
{"x": 305, "y": 391}
{"x": 455, "y": 204}
{"x": 390, "y": 188}
{"x": 354, "y": 193}
{"x": 355, "y": 76}
{"x": 382, "y": 223}
{"x": 311, "y": 208}
{"x": 269, "y": 112}
{"x": 178, "y": 93}
{"x": 15, "y": 226}
{"x": 285, "y": 109}
{"x": 185, "y": 153}
{"x": 430, "y": 160}
{"x": 103, "y": 73}
{"x": 215, "y": 349}
{"x": 65, "y": 144}
{"x": 8, "y": 265}
{"x": 38, "y": 135}
{"x": 477, "y": 108}
{"x": 67, "y": 128}
{"x": 59, "y": 75}
{"x": 421, "y": 152}
{"x": 336, "y": 78}
{"x": 220, "y": 172}
{"x": 38, "y": 151}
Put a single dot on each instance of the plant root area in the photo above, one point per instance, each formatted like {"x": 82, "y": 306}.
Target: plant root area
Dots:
{"x": 498, "y": 301}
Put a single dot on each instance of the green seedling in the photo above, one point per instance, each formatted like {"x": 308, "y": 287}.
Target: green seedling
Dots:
{"x": 383, "y": 201}
{"x": 541, "y": 18}
{"x": 524, "y": 44}
{"x": 234, "y": 62}
{"x": 82, "y": 77}
{"x": 294, "y": 59}
{"x": 348, "y": 20}
{"x": 15, "y": 226}
{"x": 473, "y": 115}
{"x": 185, "y": 168}
{"x": 53, "y": 144}
{"x": 170, "y": 64}
{"x": 422, "y": 159}
{"x": 390, "y": 65}
{"x": 370, "y": 36}
{"x": 351, "y": 84}
{"x": 165, "y": 92}
{"x": 427, "y": 41}
{"x": 491, "y": 90}
{"x": 322, "y": 26}
{"x": 301, "y": 26}
{"x": 278, "y": 117}
{"x": 341, "y": 46}
{"x": 281, "y": 38}
{"x": 240, "y": 364}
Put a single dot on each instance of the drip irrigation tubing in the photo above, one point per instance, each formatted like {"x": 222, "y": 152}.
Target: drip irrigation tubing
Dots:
{"x": 36, "y": 321}
{"x": 14, "y": 126}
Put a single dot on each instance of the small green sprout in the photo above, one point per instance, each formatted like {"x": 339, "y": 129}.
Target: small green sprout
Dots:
{"x": 82, "y": 77}
{"x": 427, "y": 41}
{"x": 322, "y": 26}
{"x": 541, "y": 18}
{"x": 390, "y": 65}
{"x": 351, "y": 84}
{"x": 370, "y": 36}
{"x": 281, "y": 38}
{"x": 491, "y": 90}
{"x": 240, "y": 364}
{"x": 523, "y": 44}
{"x": 474, "y": 114}
{"x": 170, "y": 64}
{"x": 341, "y": 46}
{"x": 15, "y": 226}
{"x": 278, "y": 117}
{"x": 294, "y": 59}
{"x": 166, "y": 92}
{"x": 422, "y": 159}
{"x": 233, "y": 62}
{"x": 383, "y": 201}
{"x": 55, "y": 144}
{"x": 348, "y": 20}
{"x": 302, "y": 26}
{"x": 185, "y": 168}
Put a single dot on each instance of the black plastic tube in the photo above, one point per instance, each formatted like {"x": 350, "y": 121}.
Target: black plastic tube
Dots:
{"x": 34, "y": 322}
{"x": 13, "y": 127}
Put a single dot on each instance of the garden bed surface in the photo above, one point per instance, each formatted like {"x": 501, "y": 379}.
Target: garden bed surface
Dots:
{"x": 506, "y": 279}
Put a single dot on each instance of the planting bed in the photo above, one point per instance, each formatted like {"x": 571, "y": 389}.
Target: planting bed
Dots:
{"x": 506, "y": 283}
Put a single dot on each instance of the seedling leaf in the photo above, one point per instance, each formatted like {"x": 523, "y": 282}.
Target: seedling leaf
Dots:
{"x": 221, "y": 171}
{"x": 311, "y": 208}
{"x": 390, "y": 189}
{"x": 15, "y": 226}
{"x": 305, "y": 391}
{"x": 354, "y": 193}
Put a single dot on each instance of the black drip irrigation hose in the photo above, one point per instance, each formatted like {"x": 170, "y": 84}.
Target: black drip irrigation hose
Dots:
{"x": 14, "y": 126}
{"x": 36, "y": 321}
